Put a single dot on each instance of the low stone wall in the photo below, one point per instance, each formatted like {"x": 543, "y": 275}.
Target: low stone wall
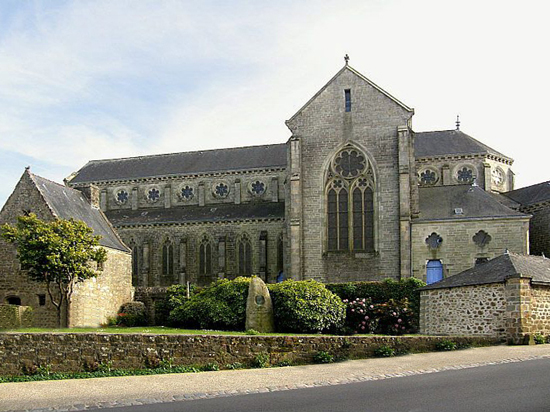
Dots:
{"x": 69, "y": 352}
{"x": 470, "y": 310}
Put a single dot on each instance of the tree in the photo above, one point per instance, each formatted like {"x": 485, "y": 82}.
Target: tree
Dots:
{"x": 58, "y": 253}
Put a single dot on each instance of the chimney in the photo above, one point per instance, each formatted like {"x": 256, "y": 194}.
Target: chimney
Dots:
{"x": 91, "y": 193}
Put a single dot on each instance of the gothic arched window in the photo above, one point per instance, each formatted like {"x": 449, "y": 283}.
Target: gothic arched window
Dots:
{"x": 205, "y": 258}
{"x": 350, "y": 202}
{"x": 244, "y": 250}
{"x": 135, "y": 264}
{"x": 167, "y": 259}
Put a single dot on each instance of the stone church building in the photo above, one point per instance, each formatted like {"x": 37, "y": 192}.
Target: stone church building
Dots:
{"x": 354, "y": 194}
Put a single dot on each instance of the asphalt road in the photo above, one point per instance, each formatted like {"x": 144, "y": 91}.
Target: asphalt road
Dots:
{"x": 511, "y": 387}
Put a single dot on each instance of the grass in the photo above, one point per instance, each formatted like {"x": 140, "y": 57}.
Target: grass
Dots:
{"x": 160, "y": 330}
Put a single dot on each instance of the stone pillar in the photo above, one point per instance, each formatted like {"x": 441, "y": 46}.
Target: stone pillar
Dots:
{"x": 274, "y": 189}
{"x": 183, "y": 262}
{"x": 263, "y": 255}
{"x": 237, "y": 191}
{"x": 167, "y": 196}
{"x": 135, "y": 200}
{"x": 511, "y": 180}
{"x": 221, "y": 257}
{"x": 201, "y": 194}
{"x": 518, "y": 310}
{"x": 446, "y": 175}
{"x": 404, "y": 201}
{"x": 295, "y": 229}
{"x": 487, "y": 181}
{"x": 103, "y": 200}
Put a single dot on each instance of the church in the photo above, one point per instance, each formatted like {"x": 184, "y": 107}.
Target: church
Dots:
{"x": 354, "y": 194}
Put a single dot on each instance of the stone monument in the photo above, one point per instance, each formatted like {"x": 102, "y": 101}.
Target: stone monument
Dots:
{"x": 259, "y": 308}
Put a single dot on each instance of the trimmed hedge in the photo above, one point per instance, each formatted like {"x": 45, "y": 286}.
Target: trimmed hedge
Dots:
{"x": 306, "y": 307}
{"x": 132, "y": 314}
{"x": 220, "y": 306}
{"x": 176, "y": 295}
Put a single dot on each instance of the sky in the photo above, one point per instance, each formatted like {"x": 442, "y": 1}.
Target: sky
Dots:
{"x": 83, "y": 80}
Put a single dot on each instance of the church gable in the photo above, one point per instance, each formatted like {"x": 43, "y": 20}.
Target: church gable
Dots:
{"x": 349, "y": 92}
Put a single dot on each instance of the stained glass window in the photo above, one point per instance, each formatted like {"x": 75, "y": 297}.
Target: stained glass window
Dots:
{"x": 258, "y": 187}
{"x": 465, "y": 175}
{"x": 153, "y": 195}
{"x": 135, "y": 265}
{"x": 347, "y": 95}
{"x": 187, "y": 193}
{"x": 428, "y": 177}
{"x": 122, "y": 196}
{"x": 205, "y": 258}
{"x": 349, "y": 163}
{"x": 167, "y": 259}
{"x": 221, "y": 190}
{"x": 245, "y": 257}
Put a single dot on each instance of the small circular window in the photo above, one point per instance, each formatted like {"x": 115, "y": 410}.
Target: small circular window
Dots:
{"x": 153, "y": 195}
{"x": 257, "y": 188}
{"x": 427, "y": 177}
{"x": 187, "y": 193}
{"x": 465, "y": 175}
{"x": 122, "y": 197}
{"x": 497, "y": 176}
{"x": 221, "y": 189}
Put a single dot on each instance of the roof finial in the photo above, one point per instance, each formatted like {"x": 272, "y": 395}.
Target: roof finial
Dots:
{"x": 457, "y": 122}
{"x": 346, "y": 59}
{"x": 27, "y": 168}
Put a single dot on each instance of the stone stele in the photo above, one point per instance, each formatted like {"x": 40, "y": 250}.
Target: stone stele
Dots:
{"x": 259, "y": 308}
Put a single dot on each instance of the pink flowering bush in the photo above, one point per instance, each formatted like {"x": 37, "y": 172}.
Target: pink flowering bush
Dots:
{"x": 389, "y": 318}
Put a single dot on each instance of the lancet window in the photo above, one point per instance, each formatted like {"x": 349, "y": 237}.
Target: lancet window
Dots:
{"x": 350, "y": 199}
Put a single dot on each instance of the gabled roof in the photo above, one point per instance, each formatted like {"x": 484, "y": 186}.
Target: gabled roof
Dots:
{"x": 498, "y": 270}
{"x": 67, "y": 203}
{"x": 450, "y": 142}
{"x": 205, "y": 161}
{"x": 531, "y": 195}
{"x": 355, "y": 72}
{"x": 198, "y": 214}
{"x": 440, "y": 202}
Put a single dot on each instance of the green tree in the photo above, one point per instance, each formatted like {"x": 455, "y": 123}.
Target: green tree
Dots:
{"x": 58, "y": 253}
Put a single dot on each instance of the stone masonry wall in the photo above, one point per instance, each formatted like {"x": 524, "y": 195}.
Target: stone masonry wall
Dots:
{"x": 539, "y": 319}
{"x": 539, "y": 230}
{"x": 186, "y": 240}
{"x": 323, "y": 128}
{"x": 478, "y": 310}
{"x": 458, "y": 251}
{"x": 68, "y": 352}
{"x": 97, "y": 299}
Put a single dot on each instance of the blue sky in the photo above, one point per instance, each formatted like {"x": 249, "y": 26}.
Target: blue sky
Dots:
{"x": 82, "y": 80}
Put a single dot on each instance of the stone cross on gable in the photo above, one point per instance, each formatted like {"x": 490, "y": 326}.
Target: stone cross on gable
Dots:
{"x": 346, "y": 59}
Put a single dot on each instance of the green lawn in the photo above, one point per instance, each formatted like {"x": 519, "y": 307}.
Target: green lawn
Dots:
{"x": 145, "y": 329}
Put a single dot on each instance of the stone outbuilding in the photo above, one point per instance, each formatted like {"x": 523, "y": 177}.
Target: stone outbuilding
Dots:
{"x": 507, "y": 297}
{"x": 94, "y": 300}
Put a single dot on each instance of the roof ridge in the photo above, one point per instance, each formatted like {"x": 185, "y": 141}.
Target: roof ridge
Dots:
{"x": 179, "y": 153}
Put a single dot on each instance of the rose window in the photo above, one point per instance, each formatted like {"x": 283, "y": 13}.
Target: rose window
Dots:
{"x": 350, "y": 163}
{"x": 498, "y": 176}
{"x": 428, "y": 177}
{"x": 122, "y": 196}
{"x": 187, "y": 193}
{"x": 153, "y": 195}
{"x": 221, "y": 190}
{"x": 258, "y": 187}
{"x": 465, "y": 175}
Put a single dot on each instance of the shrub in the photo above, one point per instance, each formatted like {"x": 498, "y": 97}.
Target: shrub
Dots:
{"x": 176, "y": 295}
{"x": 323, "y": 357}
{"x": 384, "y": 351}
{"x": 261, "y": 360}
{"x": 212, "y": 366}
{"x": 221, "y": 306}
{"x": 445, "y": 345}
{"x": 382, "y": 292}
{"x": 234, "y": 365}
{"x": 252, "y": 332}
{"x": 389, "y": 318}
{"x": 306, "y": 307}
{"x": 539, "y": 339}
{"x": 132, "y": 314}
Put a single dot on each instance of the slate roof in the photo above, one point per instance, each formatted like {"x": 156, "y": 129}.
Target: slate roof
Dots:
{"x": 69, "y": 203}
{"x": 449, "y": 142}
{"x": 531, "y": 195}
{"x": 196, "y": 214}
{"x": 498, "y": 270}
{"x": 205, "y": 161}
{"x": 440, "y": 202}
